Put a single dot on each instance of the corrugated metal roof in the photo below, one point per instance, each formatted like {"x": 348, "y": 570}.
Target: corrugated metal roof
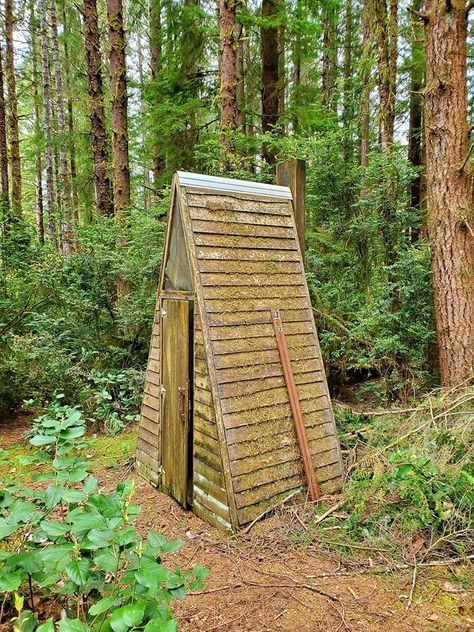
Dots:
{"x": 201, "y": 181}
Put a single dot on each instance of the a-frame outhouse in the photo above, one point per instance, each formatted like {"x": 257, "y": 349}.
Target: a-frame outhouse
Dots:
{"x": 217, "y": 427}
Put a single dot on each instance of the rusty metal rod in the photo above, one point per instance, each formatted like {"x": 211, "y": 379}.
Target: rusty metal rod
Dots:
{"x": 295, "y": 405}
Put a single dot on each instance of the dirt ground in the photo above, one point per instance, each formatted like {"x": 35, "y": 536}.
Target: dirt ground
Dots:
{"x": 264, "y": 582}
{"x": 267, "y": 581}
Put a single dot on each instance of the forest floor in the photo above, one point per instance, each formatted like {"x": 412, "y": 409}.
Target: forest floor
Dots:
{"x": 267, "y": 580}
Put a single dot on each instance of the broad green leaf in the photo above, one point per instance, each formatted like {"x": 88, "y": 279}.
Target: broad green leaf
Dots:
{"x": 21, "y": 511}
{"x": 73, "y": 625}
{"x": 155, "y": 625}
{"x": 72, "y": 433}
{"x": 73, "y": 417}
{"x": 26, "y": 622}
{"x": 57, "y": 554}
{"x": 19, "y": 601}
{"x": 106, "y": 562}
{"x": 164, "y": 545}
{"x": 103, "y": 605}
{"x": 75, "y": 475}
{"x": 39, "y": 440}
{"x": 78, "y": 571}
{"x": 100, "y": 537}
{"x": 85, "y": 521}
{"x": 53, "y": 495}
{"x": 90, "y": 485}
{"x": 178, "y": 593}
{"x": 48, "y": 626}
{"x": 125, "y": 536}
{"x": 152, "y": 575}
{"x": 73, "y": 496}
{"x": 108, "y": 507}
{"x": 6, "y": 528}
{"x": 54, "y": 528}
{"x": 10, "y": 582}
{"x": 126, "y": 617}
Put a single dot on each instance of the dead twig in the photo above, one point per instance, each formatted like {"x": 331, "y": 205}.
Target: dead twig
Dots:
{"x": 413, "y": 584}
{"x": 272, "y": 508}
{"x": 330, "y": 511}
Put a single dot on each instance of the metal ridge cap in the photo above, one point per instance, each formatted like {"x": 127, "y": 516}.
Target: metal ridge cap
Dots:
{"x": 217, "y": 183}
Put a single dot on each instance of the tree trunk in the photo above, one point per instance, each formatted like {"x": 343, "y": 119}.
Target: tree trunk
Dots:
{"x": 12, "y": 110}
{"x": 270, "y": 76}
{"x": 118, "y": 88}
{"x": 329, "y": 16}
{"x": 228, "y": 75}
{"x": 70, "y": 117}
{"x": 99, "y": 141}
{"x": 4, "y": 179}
{"x": 386, "y": 33}
{"x": 450, "y": 187}
{"x": 415, "y": 123}
{"x": 65, "y": 196}
{"x": 47, "y": 126}
{"x": 37, "y": 107}
{"x": 240, "y": 77}
{"x": 366, "y": 85}
{"x": 156, "y": 53}
{"x": 348, "y": 107}
{"x": 141, "y": 79}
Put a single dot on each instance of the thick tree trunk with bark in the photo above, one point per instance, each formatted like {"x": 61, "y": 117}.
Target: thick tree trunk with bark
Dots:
{"x": 329, "y": 55}
{"x": 156, "y": 53}
{"x": 64, "y": 183}
{"x": 4, "y": 179}
{"x": 47, "y": 125}
{"x": 37, "y": 108}
{"x": 70, "y": 117}
{"x": 118, "y": 88}
{"x": 450, "y": 187}
{"x": 99, "y": 141}
{"x": 386, "y": 34}
{"x": 366, "y": 85}
{"x": 12, "y": 110}
{"x": 228, "y": 73}
{"x": 240, "y": 77}
{"x": 270, "y": 75}
{"x": 347, "y": 105}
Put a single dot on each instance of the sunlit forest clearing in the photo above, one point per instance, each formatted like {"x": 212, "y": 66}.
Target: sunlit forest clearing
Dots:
{"x": 284, "y": 439}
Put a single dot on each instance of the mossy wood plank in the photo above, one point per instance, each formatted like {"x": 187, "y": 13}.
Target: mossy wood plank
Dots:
{"x": 235, "y": 279}
{"x": 209, "y": 473}
{"x": 239, "y": 202}
{"x": 152, "y": 427}
{"x": 154, "y": 365}
{"x": 256, "y": 317}
{"x": 201, "y": 380}
{"x": 150, "y": 413}
{"x": 219, "y": 216}
{"x": 266, "y": 491}
{"x": 150, "y": 437}
{"x": 244, "y": 292}
{"x": 270, "y": 369}
{"x": 214, "y": 491}
{"x": 263, "y": 357}
{"x": 247, "y": 514}
{"x": 257, "y": 330}
{"x": 203, "y": 396}
{"x": 152, "y": 377}
{"x": 269, "y": 267}
{"x": 152, "y": 401}
{"x": 204, "y": 227}
{"x": 248, "y": 387}
{"x": 274, "y": 436}
{"x": 263, "y": 343}
{"x": 271, "y": 397}
{"x": 276, "y": 427}
{"x": 320, "y": 447}
{"x": 248, "y": 254}
{"x": 236, "y": 305}
{"x": 210, "y": 517}
{"x": 211, "y": 459}
{"x": 152, "y": 388}
{"x": 206, "y": 427}
{"x": 265, "y": 413}
{"x": 205, "y": 442}
{"x": 244, "y": 242}
{"x": 147, "y": 448}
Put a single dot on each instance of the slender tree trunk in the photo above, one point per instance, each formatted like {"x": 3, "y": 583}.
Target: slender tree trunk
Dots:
{"x": 47, "y": 125}
{"x": 156, "y": 53}
{"x": 228, "y": 75}
{"x": 65, "y": 195}
{"x": 386, "y": 33}
{"x": 270, "y": 75}
{"x": 329, "y": 55}
{"x": 415, "y": 124}
{"x": 12, "y": 110}
{"x": 99, "y": 141}
{"x": 141, "y": 78}
{"x": 348, "y": 108}
{"x": 450, "y": 187}
{"x": 240, "y": 77}
{"x": 118, "y": 88}
{"x": 366, "y": 85}
{"x": 70, "y": 117}
{"x": 37, "y": 107}
{"x": 4, "y": 179}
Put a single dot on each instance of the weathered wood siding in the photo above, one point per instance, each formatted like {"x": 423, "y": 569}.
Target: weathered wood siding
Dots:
{"x": 209, "y": 490}
{"x": 147, "y": 456}
{"x": 248, "y": 262}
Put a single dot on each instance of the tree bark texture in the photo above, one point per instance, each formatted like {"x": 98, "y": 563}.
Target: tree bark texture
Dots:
{"x": 366, "y": 85}
{"x": 47, "y": 125}
{"x": 228, "y": 73}
{"x": 12, "y": 110}
{"x": 70, "y": 117}
{"x": 329, "y": 16}
{"x": 4, "y": 176}
{"x": 156, "y": 58}
{"x": 39, "y": 214}
{"x": 385, "y": 13}
{"x": 118, "y": 88}
{"x": 450, "y": 187}
{"x": 348, "y": 103}
{"x": 64, "y": 188}
{"x": 99, "y": 140}
{"x": 270, "y": 75}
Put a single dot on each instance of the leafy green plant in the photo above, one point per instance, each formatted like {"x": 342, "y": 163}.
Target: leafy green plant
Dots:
{"x": 79, "y": 548}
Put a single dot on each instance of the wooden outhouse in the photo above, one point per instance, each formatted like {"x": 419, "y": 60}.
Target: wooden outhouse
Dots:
{"x": 217, "y": 428}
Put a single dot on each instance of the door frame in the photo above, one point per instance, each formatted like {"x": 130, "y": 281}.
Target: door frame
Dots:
{"x": 189, "y": 297}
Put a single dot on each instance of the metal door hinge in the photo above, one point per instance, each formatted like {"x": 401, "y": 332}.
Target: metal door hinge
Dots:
{"x": 162, "y": 312}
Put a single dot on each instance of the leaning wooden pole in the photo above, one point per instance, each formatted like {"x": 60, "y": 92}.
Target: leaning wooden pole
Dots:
{"x": 295, "y": 406}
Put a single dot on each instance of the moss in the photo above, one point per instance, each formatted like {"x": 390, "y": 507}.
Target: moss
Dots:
{"x": 112, "y": 451}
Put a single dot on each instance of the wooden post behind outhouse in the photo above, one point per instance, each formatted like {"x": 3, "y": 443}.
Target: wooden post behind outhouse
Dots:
{"x": 292, "y": 173}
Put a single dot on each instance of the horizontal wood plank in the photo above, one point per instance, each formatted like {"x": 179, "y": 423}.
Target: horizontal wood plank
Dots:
{"x": 245, "y": 254}
{"x": 222, "y": 216}
{"x": 251, "y": 267}
{"x": 245, "y": 242}
{"x": 280, "y": 411}
{"x": 263, "y": 343}
{"x": 250, "y": 229}
{"x": 248, "y": 387}
{"x": 270, "y": 369}
{"x": 271, "y": 397}
{"x": 242, "y": 292}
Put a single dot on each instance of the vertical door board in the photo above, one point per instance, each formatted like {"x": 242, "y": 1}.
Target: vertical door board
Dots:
{"x": 175, "y": 400}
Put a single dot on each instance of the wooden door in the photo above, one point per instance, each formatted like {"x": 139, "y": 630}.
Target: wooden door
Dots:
{"x": 175, "y": 425}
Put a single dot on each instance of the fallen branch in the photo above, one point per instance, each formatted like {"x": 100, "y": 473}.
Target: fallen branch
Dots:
{"x": 267, "y": 511}
{"x": 330, "y": 511}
